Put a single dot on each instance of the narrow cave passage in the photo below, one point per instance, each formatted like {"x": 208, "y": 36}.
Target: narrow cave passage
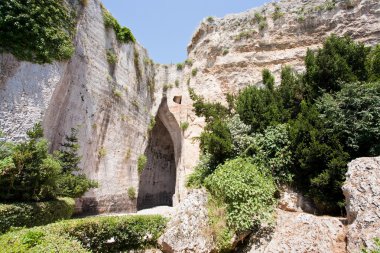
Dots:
{"x": 157, "y": 181}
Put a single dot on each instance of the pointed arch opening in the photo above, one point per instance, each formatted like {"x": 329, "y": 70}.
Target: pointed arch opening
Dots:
{"x": 157, "y": 184}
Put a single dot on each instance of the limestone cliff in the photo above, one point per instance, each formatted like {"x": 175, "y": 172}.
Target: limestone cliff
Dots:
{"x": 112, "y": 105}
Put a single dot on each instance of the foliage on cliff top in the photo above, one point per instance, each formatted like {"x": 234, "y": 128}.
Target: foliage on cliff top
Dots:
{"x": 123, "y": 34}
{"x": 39, "y": 31}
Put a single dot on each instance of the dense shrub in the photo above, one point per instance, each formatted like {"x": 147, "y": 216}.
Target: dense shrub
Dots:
{"x": 247, "y": 190}
{"x": 39, "y": 31}
{"x": 258, "y": 108}
{"x": 123, "y": 34}
{"x": 100, "y": 234}
{"x": 201, "y": 171}
{"x": 340, "y": 60}
{"x": 320, "y": 163}
{"x": 306, "y": 130}
{"x": 216, "y": 140}
{"x": 29, "y": 173}
{"x": 39, "y": 240}
{"x": 373, "y": 64}
{"x": 353, "y": 115}
{"x": 31, "y": 214}
{"x": 273, "y": 150}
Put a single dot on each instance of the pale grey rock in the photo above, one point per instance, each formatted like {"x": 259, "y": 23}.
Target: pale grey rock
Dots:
{"x": 362, "y": 192}
{"x": 297, "y": 232}
{"x": 187, "y": 231}
{"x": 293, "y": 201}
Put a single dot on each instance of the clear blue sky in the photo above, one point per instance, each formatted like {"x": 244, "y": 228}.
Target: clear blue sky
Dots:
{"x": 165, "y": 27}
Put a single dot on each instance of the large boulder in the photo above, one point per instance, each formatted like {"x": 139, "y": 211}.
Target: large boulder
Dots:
{"x": 362, "y": 192}
{"x": 188, "y": 229}
{"x": 300, "y": 232}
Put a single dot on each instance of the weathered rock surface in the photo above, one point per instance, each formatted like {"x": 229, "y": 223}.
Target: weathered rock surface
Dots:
{"x": 300, "y": 232}
{"x": 362, "y": 192}
{"x": 187, "y": 230}
{"x": 293, "y": 201}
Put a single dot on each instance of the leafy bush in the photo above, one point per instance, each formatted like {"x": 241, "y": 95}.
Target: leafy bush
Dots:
{"x": 373, "y": 64}
{"x": 353, "y": 115}
{"x": 29, "y": 172}
{"x": 39, "y": 31}
{"x": 273, "y": 150}
{"x": 38, "y": 240}
{"x": 247, "y": 191}
{"x": 340, "y": 60}
{"x": 184, "y": 125}
{"x": 180, "y": 66}
{"x": 131, "y": 193}
{"x": 194, "y": 72}
{"x": 31, "y": 214}
{"x": 141, "y": 162}
{"x": 201, "y": 171}
{"x": 258, "y": 108}
{"x": 123, "y": 34}
{"x": 240, "y": 133}
{"x": 208, "y": 110}
{"x": 216, "y": 140}
{"x": 100, "y": 234}
{"x": 152, "y": 123}
{"x": 320, "y": 163}
{"x": 277, "y": 13}
{"x": 111, "y": 57}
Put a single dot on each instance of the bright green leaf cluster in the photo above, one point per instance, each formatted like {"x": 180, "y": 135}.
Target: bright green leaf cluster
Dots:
{"x": 247, "y": 191}
{"x": 39, "y": 31}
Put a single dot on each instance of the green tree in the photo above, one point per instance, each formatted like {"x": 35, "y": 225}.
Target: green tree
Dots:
{"x": 320, "y": 163}
{"x": 373, "y": 64}
{"x": 71, "y": 182}
{"x": 208, "y": 110}
{"x": 216, "y": 140}
{"x": 268, "y": 79}
{"x": 290, "y": 91}
{"x": 258, "y": 108}
{"x": 353, "y": 115}
{"x": 339, "y": 60}
{"x": 30, "y": 172}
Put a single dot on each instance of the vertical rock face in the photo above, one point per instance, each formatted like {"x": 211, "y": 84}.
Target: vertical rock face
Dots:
{"x": 362, "y": 192}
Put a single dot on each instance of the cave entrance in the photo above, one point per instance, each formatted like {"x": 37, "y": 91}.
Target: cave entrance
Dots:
{"x": 158, "y": 179}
